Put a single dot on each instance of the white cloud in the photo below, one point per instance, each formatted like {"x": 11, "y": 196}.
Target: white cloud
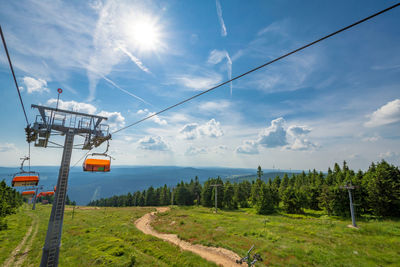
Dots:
{"x": 220, "y": 18}
{"x": 273, "y": 136}
{"x": 115, "y": 119}
{"x": 390, "y": 156}
{"x": 387, "y": 114}
{"x": 371, "y": 139}
{"x": 192, "y": 131}
{"x": 73, "y": 105}
{"x": 153, "y": 143}
{"x": 249, "y": 147}
{"x": 189, "y": 131}
{"x": 299, "y": 138}
{"x": 35, "y": 85}
{"x": 301, "y": 144}
{"x": 145, "y": 112}
{"x": 298, "y": 130}
{"x": 214, "y": 106}
{"x": 199, "y": 83}
{"x": 192, "y": 151}
{"x": 216, "y": 56}
{"x": 7, "y": 147}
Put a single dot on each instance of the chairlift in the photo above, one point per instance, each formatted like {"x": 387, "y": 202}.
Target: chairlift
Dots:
{"x": 97, "y": 162}
{"x": 25, "y": 178}
{"x": 28, "y": 193}
{"x": 47, "y": 193}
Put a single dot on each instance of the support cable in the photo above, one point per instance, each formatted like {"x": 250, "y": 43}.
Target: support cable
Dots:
{"x": 259, "y": 67}
{"x": 13, "y": 74}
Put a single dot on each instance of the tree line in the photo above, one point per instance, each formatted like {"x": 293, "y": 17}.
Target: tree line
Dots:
{"x": 10, "y": 200}
{"x": 377, "y": 192}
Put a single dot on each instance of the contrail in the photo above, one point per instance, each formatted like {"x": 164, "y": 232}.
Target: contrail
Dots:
{"x": 229, "y": 66}
{"x": 134, "y": 59}
{"x": 221, "y": 19}
{"x": 125, "y": 91}
{"x": 117, "y": 86}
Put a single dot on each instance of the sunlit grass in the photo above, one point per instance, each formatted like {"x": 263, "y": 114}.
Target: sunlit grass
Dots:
{"x": 282, "y": 240}
{"x": 99, "y": 237}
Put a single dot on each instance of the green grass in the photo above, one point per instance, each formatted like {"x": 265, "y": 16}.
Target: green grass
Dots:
{"x": 108, "y": 237}
{"x": 97, "y": 237}
{"x": 15, "y": 232}
{"x": 288, "y": 240}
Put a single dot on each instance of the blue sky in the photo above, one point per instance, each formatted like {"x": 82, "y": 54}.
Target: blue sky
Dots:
{"x": 338, "y": 100}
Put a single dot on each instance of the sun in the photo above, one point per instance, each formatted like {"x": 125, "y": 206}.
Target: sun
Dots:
{"x": 145, "y": 33}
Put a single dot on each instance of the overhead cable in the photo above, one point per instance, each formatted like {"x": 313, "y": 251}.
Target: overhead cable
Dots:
{"x": 259, "y": 67}
{"x": 13, "y": 74}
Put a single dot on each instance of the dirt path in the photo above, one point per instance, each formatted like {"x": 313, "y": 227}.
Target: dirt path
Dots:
{"x": 17, "y": 258}
{"x": 220, "y": 256}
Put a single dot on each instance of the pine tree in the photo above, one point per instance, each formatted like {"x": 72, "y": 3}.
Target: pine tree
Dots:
{"x": 265, "y": 203}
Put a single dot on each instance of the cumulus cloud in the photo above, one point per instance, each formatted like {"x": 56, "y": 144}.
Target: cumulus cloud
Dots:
{"x": 7, "y": 147}
{"x": 35, "y": 85}
{"x": 73, "y": 105}
{"x": 298, "y": 130}
{"x": 192, "y": 151}
{"x": 216, "y": 56}
{"x": 155, "y": 143}
{"x": 115, "y": 119}
{"x": 276, "y": 135}
{"x": 145, "y": 112}
{"x": 387, "y": 114}
{"x": 249, "y": 147}
{"x": 221, "y": 19}
{"x": 273, "y": 136}
{"x": 299, "y": 138}
{"x": 192, "y": 131}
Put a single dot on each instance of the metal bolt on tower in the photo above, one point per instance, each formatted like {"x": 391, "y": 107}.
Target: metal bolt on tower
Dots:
{"x": 53, "y": 122}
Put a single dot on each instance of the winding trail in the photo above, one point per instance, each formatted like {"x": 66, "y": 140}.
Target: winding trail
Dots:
{"x": 17, "y": 258}
{"x": 220, "y": 256}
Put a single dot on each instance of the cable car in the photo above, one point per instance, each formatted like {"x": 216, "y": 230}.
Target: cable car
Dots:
{"x": 24, "y": 178}
{"x": 93, "y": 164}
{"x": 28, "y": 193}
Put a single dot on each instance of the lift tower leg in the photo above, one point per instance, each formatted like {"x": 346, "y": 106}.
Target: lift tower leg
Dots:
{"x": 52, "y": 243}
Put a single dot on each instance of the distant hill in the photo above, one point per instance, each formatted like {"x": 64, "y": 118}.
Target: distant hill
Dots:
{"x": 252, "y": 177}
{"x": 84, "y": 187}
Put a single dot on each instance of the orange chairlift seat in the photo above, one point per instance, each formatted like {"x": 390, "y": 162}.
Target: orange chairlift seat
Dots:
{"x": 43, "y": 194}
{"x": 28, "y": 193}
{"x": 25, "y": 178}
{"x": 91, "y": 164}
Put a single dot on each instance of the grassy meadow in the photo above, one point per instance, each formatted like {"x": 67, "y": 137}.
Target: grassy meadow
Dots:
{"x": 96, "y": 237}
{"x": 108, "y": 237}
{"x": 313, "y": 239}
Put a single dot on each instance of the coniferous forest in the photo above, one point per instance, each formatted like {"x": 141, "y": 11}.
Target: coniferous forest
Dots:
{"x": 10, "y": 200}
{"x": 377, "y": 192}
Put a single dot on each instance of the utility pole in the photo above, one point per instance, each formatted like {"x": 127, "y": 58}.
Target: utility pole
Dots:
{"x": 350, "y": 187}
{"x": 65, "y": 123}
{"x": 216, "y": 195}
